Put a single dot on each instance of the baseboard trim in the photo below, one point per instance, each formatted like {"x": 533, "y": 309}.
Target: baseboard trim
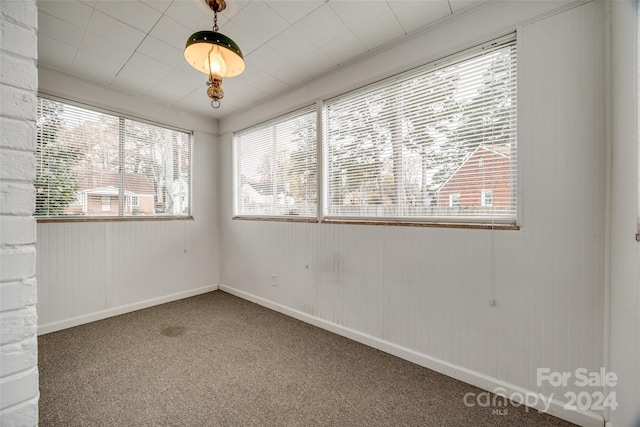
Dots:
{"x": 115, "y": 311}
{"x": 582, "y": 418}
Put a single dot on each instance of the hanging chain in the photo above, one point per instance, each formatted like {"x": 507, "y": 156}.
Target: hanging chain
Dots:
{"x": 215, "y": 21}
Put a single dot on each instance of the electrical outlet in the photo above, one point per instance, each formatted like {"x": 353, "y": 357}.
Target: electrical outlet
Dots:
{"x": 274, "y": 280}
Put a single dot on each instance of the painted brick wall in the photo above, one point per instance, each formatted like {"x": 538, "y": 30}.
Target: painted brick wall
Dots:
{"x": 18, "y": 318}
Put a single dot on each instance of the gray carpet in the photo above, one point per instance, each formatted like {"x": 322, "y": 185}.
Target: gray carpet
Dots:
{"x": 217, "y": 360}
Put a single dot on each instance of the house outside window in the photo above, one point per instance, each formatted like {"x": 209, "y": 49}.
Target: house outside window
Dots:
{"x": 454, "y": 200}
{"x": 91, "y": 163}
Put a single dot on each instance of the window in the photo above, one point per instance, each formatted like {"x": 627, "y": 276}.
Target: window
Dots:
{"x": 421, "y": 146}
{"x": 275, "y": 167}
{"x": 94, "y": 164}
{"x": 486, "y": 198}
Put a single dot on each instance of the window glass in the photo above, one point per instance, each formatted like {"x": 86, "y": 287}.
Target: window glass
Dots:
{"x": 93, "y": 164}
{"x": 275, "y": 167}
{"x": 424, "y": 144}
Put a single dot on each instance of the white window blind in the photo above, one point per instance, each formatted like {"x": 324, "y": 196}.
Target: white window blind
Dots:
{"x": 425, "y": 144}
{"x": 275, "y": 167}
{"x": 90, "y": 163}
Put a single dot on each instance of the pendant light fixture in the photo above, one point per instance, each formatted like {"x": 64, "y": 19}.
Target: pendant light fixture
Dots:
{"x": 214, "y": 54}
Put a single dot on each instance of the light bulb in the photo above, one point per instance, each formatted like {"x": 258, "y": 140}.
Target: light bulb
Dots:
{"x": 216, "y": 65}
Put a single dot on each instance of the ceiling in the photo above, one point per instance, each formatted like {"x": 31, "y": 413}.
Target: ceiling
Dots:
{"x": 136, "y": 45}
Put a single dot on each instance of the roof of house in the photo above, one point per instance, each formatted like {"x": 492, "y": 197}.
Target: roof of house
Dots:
{"x": 502, "y": 150}
{"x": 133, "y": 182}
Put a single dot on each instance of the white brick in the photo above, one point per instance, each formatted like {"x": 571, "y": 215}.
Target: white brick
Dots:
{"x": 18, "y": 294}
{"x": 19, "y": 72}
{"x": 18, "y": 357}
{"x": 18, "y": 103}
{"x": 18, "y": 317}
{"x": 23, "y": 12}
{"x": 23, "y": 415}
{"x": 17, "y": 39}
{"x": 17, "y": 230}
{"x": 18, "y": 325}
{"x": 17, "y": 263}
{"x": 18, "y": 134}
{"x": 17, "y": 165}
{"x": 17, "y": 198}
{"x": 18, "y": 388}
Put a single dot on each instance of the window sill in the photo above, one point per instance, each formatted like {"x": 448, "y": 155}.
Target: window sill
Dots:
{"x": 479, "y": 226}
{"x": 112, "y": 219}
{"x": 275, "y": 218}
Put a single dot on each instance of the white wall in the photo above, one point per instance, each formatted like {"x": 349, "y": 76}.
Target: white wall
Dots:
{"x": 423, "y": 293}
{"x": 625, "y": 251}
{"x": 18, "y": 342}
{"x": 88, "y": 271}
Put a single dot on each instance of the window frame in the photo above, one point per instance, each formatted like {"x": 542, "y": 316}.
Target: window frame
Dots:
{"x": 124, "y": 116}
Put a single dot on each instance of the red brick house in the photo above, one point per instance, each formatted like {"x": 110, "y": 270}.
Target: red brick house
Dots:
{"x": 482, "y": 180}
{"x": 98, "y": 195}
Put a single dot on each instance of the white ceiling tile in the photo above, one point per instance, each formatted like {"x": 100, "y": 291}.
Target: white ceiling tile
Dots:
{"x": 167, "y": 94}
{"x": 70, "y": 11}
{"x": 344, "y": 48}
{"x": 371, "y": 35}
{"x": 457, "y": 5}
{"x": 133, "y": 13}
{"x": 94, "y": 67}
{"x": 177, "y": 86}
{"x": 188, "y": 82}
{"x": 159, "y": 5}
{"x": 199, "y": 102}
{"x": 55, "y": 54}
{"x": 260, "y": 21}
{"x": 148, "y": 65}
{"x": 316, "y": 63}
{"x": 417, "y": 14}
{"x": 271, "y": 85}
{"x": 55, "y": 28}
{"x": 195, "y": 14}
{"x": 160, "y": 51}
{"x": 267, "y": 59}
{"x": 89, "y": 59}
{"x": 111, "y": 29}
{"x": 233, "y": 7}
{"x": 247, "y": 42}
{"x": 105, "y": 48}
{"x": 186, "y": 68}
{"x": 171, "y": 32}
{"x": 293, "y": 75}
{"x": 132, "y": 79}
{"x": 137, "y": 45}
{"x": 291, "y": 44}
{"x": 357, "y": 13}
{"x": 294, "y": 10}
{"x": 321, "y": 26}
{"x": 238, "y": 89}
